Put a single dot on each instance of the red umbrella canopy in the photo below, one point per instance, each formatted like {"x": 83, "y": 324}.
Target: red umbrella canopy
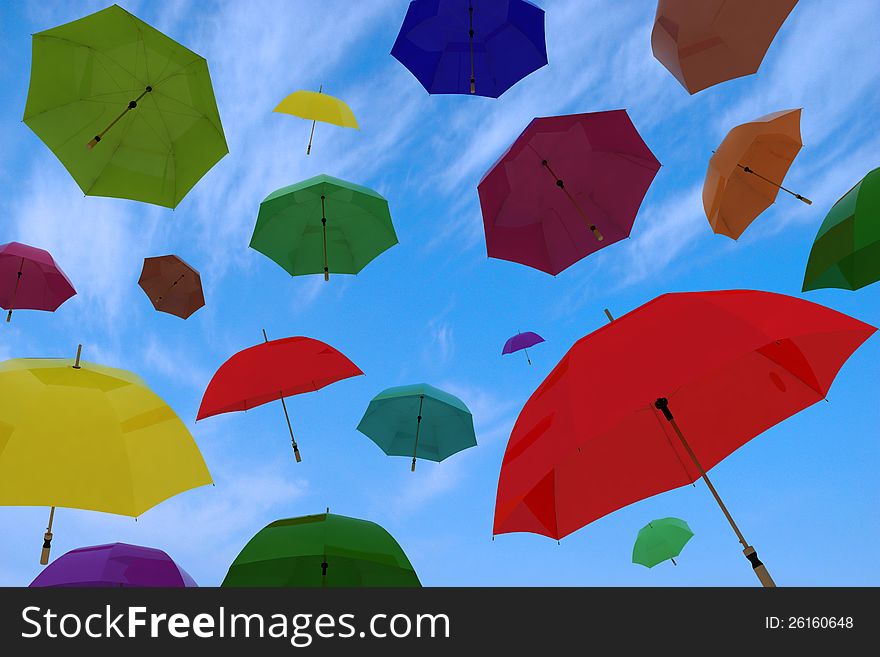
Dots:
{"x": 31, "y": 279}
{"x": 272, "y": 370}
{"x": 732, "y": 364}
{"x": 568, "y": 186}
{"x": 172, "y": 285}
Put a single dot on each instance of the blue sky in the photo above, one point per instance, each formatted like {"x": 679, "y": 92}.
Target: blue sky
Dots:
{"x": 434, "y": 308}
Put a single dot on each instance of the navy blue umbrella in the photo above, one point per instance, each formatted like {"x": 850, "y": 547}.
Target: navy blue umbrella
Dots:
{"x": 481, "y": 47}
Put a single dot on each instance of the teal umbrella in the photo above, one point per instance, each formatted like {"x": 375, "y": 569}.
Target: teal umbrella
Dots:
{"x": 419, "y": 421}
{"x": 660, "y": 540}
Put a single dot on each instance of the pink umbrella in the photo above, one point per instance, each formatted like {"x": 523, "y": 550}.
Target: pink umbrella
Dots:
{"x": 30, "y": 279}
{"x": 567, "y": 186}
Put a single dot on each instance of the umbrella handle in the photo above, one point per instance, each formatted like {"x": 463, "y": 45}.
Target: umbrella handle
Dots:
{"x": 47, "y": 539}
{"x": 759, "y": 568}
{"x": 9, "y": 316}
{"x": 597, "y": 233}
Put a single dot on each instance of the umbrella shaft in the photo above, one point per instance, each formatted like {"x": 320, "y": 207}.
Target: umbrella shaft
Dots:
{"x": 289, "y": 427}
{"x": 15, "y": 291}
{"x": 471, "y": 46}
{"x": 705, "y": 477}
{"x": 324, "y": 232}
{"x": 418, "y": 427}
{"x": 131, "y": 105}
{"x": 561, "y": 185}
{"x": 748, "y": 169}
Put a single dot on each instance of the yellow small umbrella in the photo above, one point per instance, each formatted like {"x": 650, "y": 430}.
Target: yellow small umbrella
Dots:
{"x": 318, "y": 106}
{"x": 85, "y": 436}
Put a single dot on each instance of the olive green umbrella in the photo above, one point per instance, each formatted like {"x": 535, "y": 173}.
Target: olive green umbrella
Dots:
{"x": 129, "y": 112}
{"x": 323, "y": 224}
{"x": 846, "y": 253}
{"x": 322, "y": 550}
{"x": 660, "y": 540}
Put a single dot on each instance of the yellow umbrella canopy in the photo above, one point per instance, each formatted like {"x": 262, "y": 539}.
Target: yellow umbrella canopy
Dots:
{"x": 318, "y": 106}
{"x": 85, "y": 436}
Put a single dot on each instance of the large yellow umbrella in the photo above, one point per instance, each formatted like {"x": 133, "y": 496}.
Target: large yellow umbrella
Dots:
{"x": 85, "y": 436}
{"x": 318, "y": 106}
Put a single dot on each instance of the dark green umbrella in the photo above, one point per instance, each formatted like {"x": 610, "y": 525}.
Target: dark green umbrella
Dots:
{"x": 321, "y": 550}
{"x": 129, "y": 112}
{"x": 846, "y": 253}
{"x": 419, "y": 421}
{"x": 660, "y": 540}
{"x": 323, "y": 224}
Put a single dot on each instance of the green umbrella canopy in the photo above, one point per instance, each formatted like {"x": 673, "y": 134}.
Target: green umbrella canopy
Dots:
{"x": 846, "y": 253}
{"x": 660, "y": 540}
{"x": 419, "y": 421}
{"x": 322, "y": 550}
{"x": 85, "y": 75}
{"x": 290, "y": 230}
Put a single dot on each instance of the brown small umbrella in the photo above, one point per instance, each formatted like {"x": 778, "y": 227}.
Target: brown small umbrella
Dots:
{"x": 172, "y": 285}
{"x": 746, "y": 172}
{"x": 705, "y": 42}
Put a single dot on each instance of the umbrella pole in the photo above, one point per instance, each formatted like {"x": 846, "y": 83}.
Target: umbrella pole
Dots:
{"x": 418, "y": 426}
{"x": 527, "y": 355}
{"x": 748, "y": 169}
{"x": 290, "y": 429}
{"x": 170, "y": 287}
{"x": 561, "y": 185}
{"x": 471, "y": 47}
{"x": 14, "y": 292}
{"x": 324, "y": 230}
{"x": 131, "y": 105}
{"x": 47, "y": 539}
{"x": 312, "y": 134}
{"x": 672, "y": 559}
{"x": 760, "y": 569}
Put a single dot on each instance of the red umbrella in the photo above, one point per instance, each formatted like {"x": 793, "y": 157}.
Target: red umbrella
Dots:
{"x": 274, "y": 370}
{"x": 31, "y": 279}
{"x": 656, "y": 398}
{"x": 566, "y": 187}
{"x": 172, "y": 285}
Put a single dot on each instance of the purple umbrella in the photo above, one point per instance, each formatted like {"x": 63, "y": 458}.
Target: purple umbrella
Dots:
{"x": 481, "y": 47}
{"x": 522, "y": 341}
{"x": 568, "y": 186}
{"x": 115, "y": 564}
{"x": 31, "y": 280}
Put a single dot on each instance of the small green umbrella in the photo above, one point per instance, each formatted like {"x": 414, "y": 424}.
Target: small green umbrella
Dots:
{"x": 846, "y": 253}
{"x": 321, "y": 550}
{"x": 419, "y": 421}
{"x": 323, "y": 224}
{"x": 660, "y": 540}
{"x": 129, "y": 112}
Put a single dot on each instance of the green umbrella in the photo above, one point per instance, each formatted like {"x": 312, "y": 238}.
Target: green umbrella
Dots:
{"x": 419, "y": 421}
{"x": 323, "y": 224}
{"x": 846, "y": 253}
{"x": 660, "y": 540}
{"x": 129, "y": 112}
{"x": 322, "y": 550}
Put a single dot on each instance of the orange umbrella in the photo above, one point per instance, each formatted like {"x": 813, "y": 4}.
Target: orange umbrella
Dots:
{"x": 746, "y": 172}
{"x": 705, "y": 42}
{"x": 172, "y": 285}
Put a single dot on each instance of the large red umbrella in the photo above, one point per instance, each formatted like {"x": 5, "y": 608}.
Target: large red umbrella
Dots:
{"x": 568, "y": 186}
{"x": 656, "y": 398}
{"x": 705, "y": 42}
{"x": 271, "y": 371}
{"x": 31, "y": 279}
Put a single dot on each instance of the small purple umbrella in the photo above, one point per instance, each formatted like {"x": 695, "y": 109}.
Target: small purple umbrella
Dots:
{"x": 522, "y": 341}
{"x": 112, "y": 565}
{"x": 30, "y": 279}
{"x": 568, "y": 186}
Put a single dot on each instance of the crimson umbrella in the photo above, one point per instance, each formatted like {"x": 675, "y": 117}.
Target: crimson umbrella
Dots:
{"x": 656, "y": 398}
{"x": 566, "y": 187}
{"x": 172, "y": 285}
{"x": 31, "y": 279}
{"x": 274, "y": 370}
